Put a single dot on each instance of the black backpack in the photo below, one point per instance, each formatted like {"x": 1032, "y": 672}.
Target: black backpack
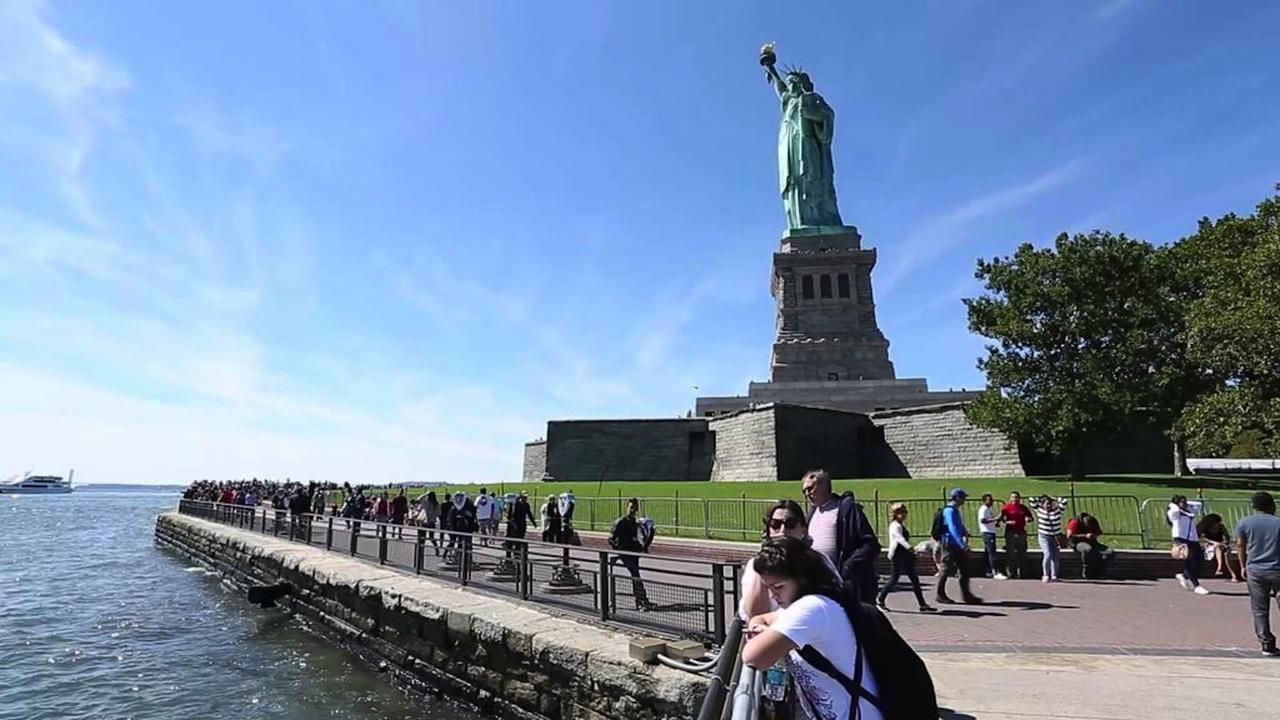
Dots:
{"x": 905, "y": 689}
{"x": 939, "y": 526}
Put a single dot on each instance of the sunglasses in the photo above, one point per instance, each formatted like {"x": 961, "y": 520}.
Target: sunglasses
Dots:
{"x": 791, "y": 522}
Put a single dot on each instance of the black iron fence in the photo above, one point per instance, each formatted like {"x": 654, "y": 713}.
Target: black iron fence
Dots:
{"x": 670, "y": 595}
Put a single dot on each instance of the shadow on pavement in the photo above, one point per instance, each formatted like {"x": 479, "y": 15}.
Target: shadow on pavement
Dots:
{"x": 1032, "y": 605}
{"x": 952, "y": 612}
{"x": 949, "y": 714}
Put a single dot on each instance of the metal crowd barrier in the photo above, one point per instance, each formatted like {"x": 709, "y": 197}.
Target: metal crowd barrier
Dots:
{"x": 671, "y": 595}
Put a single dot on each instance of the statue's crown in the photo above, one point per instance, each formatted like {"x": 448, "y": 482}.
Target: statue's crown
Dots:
{"x": 797, "y": 71}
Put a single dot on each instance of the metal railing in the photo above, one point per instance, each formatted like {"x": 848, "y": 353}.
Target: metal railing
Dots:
{"x": 670, "y": 595}
{"x": 1127, "y": 521}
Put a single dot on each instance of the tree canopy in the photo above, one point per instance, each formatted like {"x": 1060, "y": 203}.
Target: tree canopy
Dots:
{"x": 1233, "y": 326}
{"x": 1100, "y": 328}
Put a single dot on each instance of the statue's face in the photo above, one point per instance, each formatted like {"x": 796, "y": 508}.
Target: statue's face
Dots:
{"x": 795, "y": 84}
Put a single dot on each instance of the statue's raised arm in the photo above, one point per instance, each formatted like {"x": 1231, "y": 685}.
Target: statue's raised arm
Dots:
{"x": 768, "y": 58}
{"x": 806, "y": 175}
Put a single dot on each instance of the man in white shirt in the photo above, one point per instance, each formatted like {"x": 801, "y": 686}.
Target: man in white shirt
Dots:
{"x": 486, "y": 518}
{"x": 989, "y": 520}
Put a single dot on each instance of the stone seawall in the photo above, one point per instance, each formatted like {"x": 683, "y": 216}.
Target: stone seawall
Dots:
{"x": 508, "y": 660}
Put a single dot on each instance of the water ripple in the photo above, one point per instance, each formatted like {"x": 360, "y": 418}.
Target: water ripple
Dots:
{"x": 99, "y": 623}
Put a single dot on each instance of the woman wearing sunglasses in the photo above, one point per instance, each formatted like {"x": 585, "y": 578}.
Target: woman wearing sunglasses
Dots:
{"x": 785, "y": 519}
{"x": 903, "y": 557}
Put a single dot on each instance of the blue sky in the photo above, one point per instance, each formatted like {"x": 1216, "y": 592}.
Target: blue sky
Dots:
{"x": 387, "y": 241}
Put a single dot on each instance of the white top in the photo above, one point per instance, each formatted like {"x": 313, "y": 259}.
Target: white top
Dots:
{"x": 750, "y": 578}
{"x": 484, "y": 507}
{"x": 898, "y": 539}
{"x": 987, "y": 517}
{"x": 822, "y": 528}
{"x": 821, "y": 622}
{"x": 1183, "y": 524}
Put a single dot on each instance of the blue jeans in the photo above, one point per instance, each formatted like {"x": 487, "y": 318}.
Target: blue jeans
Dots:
{"x": 1049, "y": 548}
{"x": 989, "y": 544}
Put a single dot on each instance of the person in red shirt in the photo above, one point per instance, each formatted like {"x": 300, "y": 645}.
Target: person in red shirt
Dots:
{"x": 1015, "y": 516}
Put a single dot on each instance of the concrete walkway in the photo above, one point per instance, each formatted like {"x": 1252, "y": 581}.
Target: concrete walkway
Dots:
{"x": 1103, "y": 687}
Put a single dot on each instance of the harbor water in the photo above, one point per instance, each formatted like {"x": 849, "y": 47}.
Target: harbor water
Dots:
{"x": 98, "y": 622}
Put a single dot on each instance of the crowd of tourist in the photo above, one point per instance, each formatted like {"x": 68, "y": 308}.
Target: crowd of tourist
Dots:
{"x": 800, "y": 595}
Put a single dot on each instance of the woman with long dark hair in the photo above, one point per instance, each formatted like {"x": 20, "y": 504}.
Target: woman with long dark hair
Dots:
{"x": 785, "y": 519}
{"x": 1217, "y": 543}
{"x": 811, "y": 614}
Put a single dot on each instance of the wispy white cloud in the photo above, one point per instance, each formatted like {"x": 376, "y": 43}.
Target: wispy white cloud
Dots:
{"x": 36, "y": 61}
{"x": 239, "y": 135}
{"x": 1112, "y": 9}
{"x": 934, "y": 237}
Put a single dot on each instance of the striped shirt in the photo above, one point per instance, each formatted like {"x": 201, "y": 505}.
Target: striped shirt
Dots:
{"x": 1048, "y": 521}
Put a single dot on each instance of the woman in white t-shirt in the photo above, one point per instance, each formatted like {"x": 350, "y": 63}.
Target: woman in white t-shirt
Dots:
{"x": 1182, "y": 526}
{"x": 785, "y": 519}
{"x": 800, "y": 583}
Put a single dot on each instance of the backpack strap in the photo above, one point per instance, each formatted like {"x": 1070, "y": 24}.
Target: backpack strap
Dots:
{"x": 853, "y": 685}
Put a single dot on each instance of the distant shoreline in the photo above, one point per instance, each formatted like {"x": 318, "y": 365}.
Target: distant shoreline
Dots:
{"x": 100, "y": 487}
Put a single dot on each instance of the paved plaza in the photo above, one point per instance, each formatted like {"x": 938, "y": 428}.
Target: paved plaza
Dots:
{"x": 1103, "y": 687}
{"x": 1124, "y": 617}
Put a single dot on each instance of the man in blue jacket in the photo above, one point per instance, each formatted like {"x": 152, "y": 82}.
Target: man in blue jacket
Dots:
{"x": 955, "y": 550}
{"x": 840, "y": 530}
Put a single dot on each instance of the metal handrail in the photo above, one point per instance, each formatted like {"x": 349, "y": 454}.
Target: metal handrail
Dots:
{"x": 717, "y": 691}
{"x": 707, "y": 587}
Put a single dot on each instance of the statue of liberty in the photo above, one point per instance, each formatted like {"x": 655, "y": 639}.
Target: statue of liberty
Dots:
{"x": 806, "y": 176}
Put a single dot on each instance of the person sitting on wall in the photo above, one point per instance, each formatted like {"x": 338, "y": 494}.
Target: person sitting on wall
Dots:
{"x": 1217, "y": 544}
{"x": 1082, "y": 535}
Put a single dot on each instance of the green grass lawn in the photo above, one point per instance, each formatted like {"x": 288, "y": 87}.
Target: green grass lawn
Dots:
{"x": 733, "y": 511}
{"x": 1141, "y": 486}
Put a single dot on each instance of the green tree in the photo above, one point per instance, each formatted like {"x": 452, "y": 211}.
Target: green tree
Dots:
{"x": 1086, "y": 334}
{"x": 1233, "y": 328}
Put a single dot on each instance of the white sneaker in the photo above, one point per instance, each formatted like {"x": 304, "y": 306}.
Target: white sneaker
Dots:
{"x": 999, "y": 576}
{"x": 1202, "y": 590}
{"x": 1044, "y": 578}
{"x": 1186, "y": 584}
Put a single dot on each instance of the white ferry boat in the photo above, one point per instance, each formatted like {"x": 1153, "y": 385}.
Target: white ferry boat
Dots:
{"x": 30, "y": 484}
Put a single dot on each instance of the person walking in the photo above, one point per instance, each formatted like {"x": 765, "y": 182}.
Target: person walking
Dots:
{"x": 1015, "y": 517}
{"x": 955, "y": 551}
{"x": 902, "y": 556}
{"x": 429, "y": 517}
{"x": 399, "y": 511}
{"x": 989, "y": 522}
{"x": 486, "y": 515}
{"x": 841, "y": 531}
{"x": 1258, "y": 542}
{"x": 1186, "y": 542}
{"x": 551, "y": 521}
{"x": 519, "y": 518}
{"x": 1048, "y": 528}
{"x": 628, "y": 536}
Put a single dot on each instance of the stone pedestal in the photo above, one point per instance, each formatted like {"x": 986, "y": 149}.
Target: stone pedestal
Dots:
{"x": 826, "y": 322}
